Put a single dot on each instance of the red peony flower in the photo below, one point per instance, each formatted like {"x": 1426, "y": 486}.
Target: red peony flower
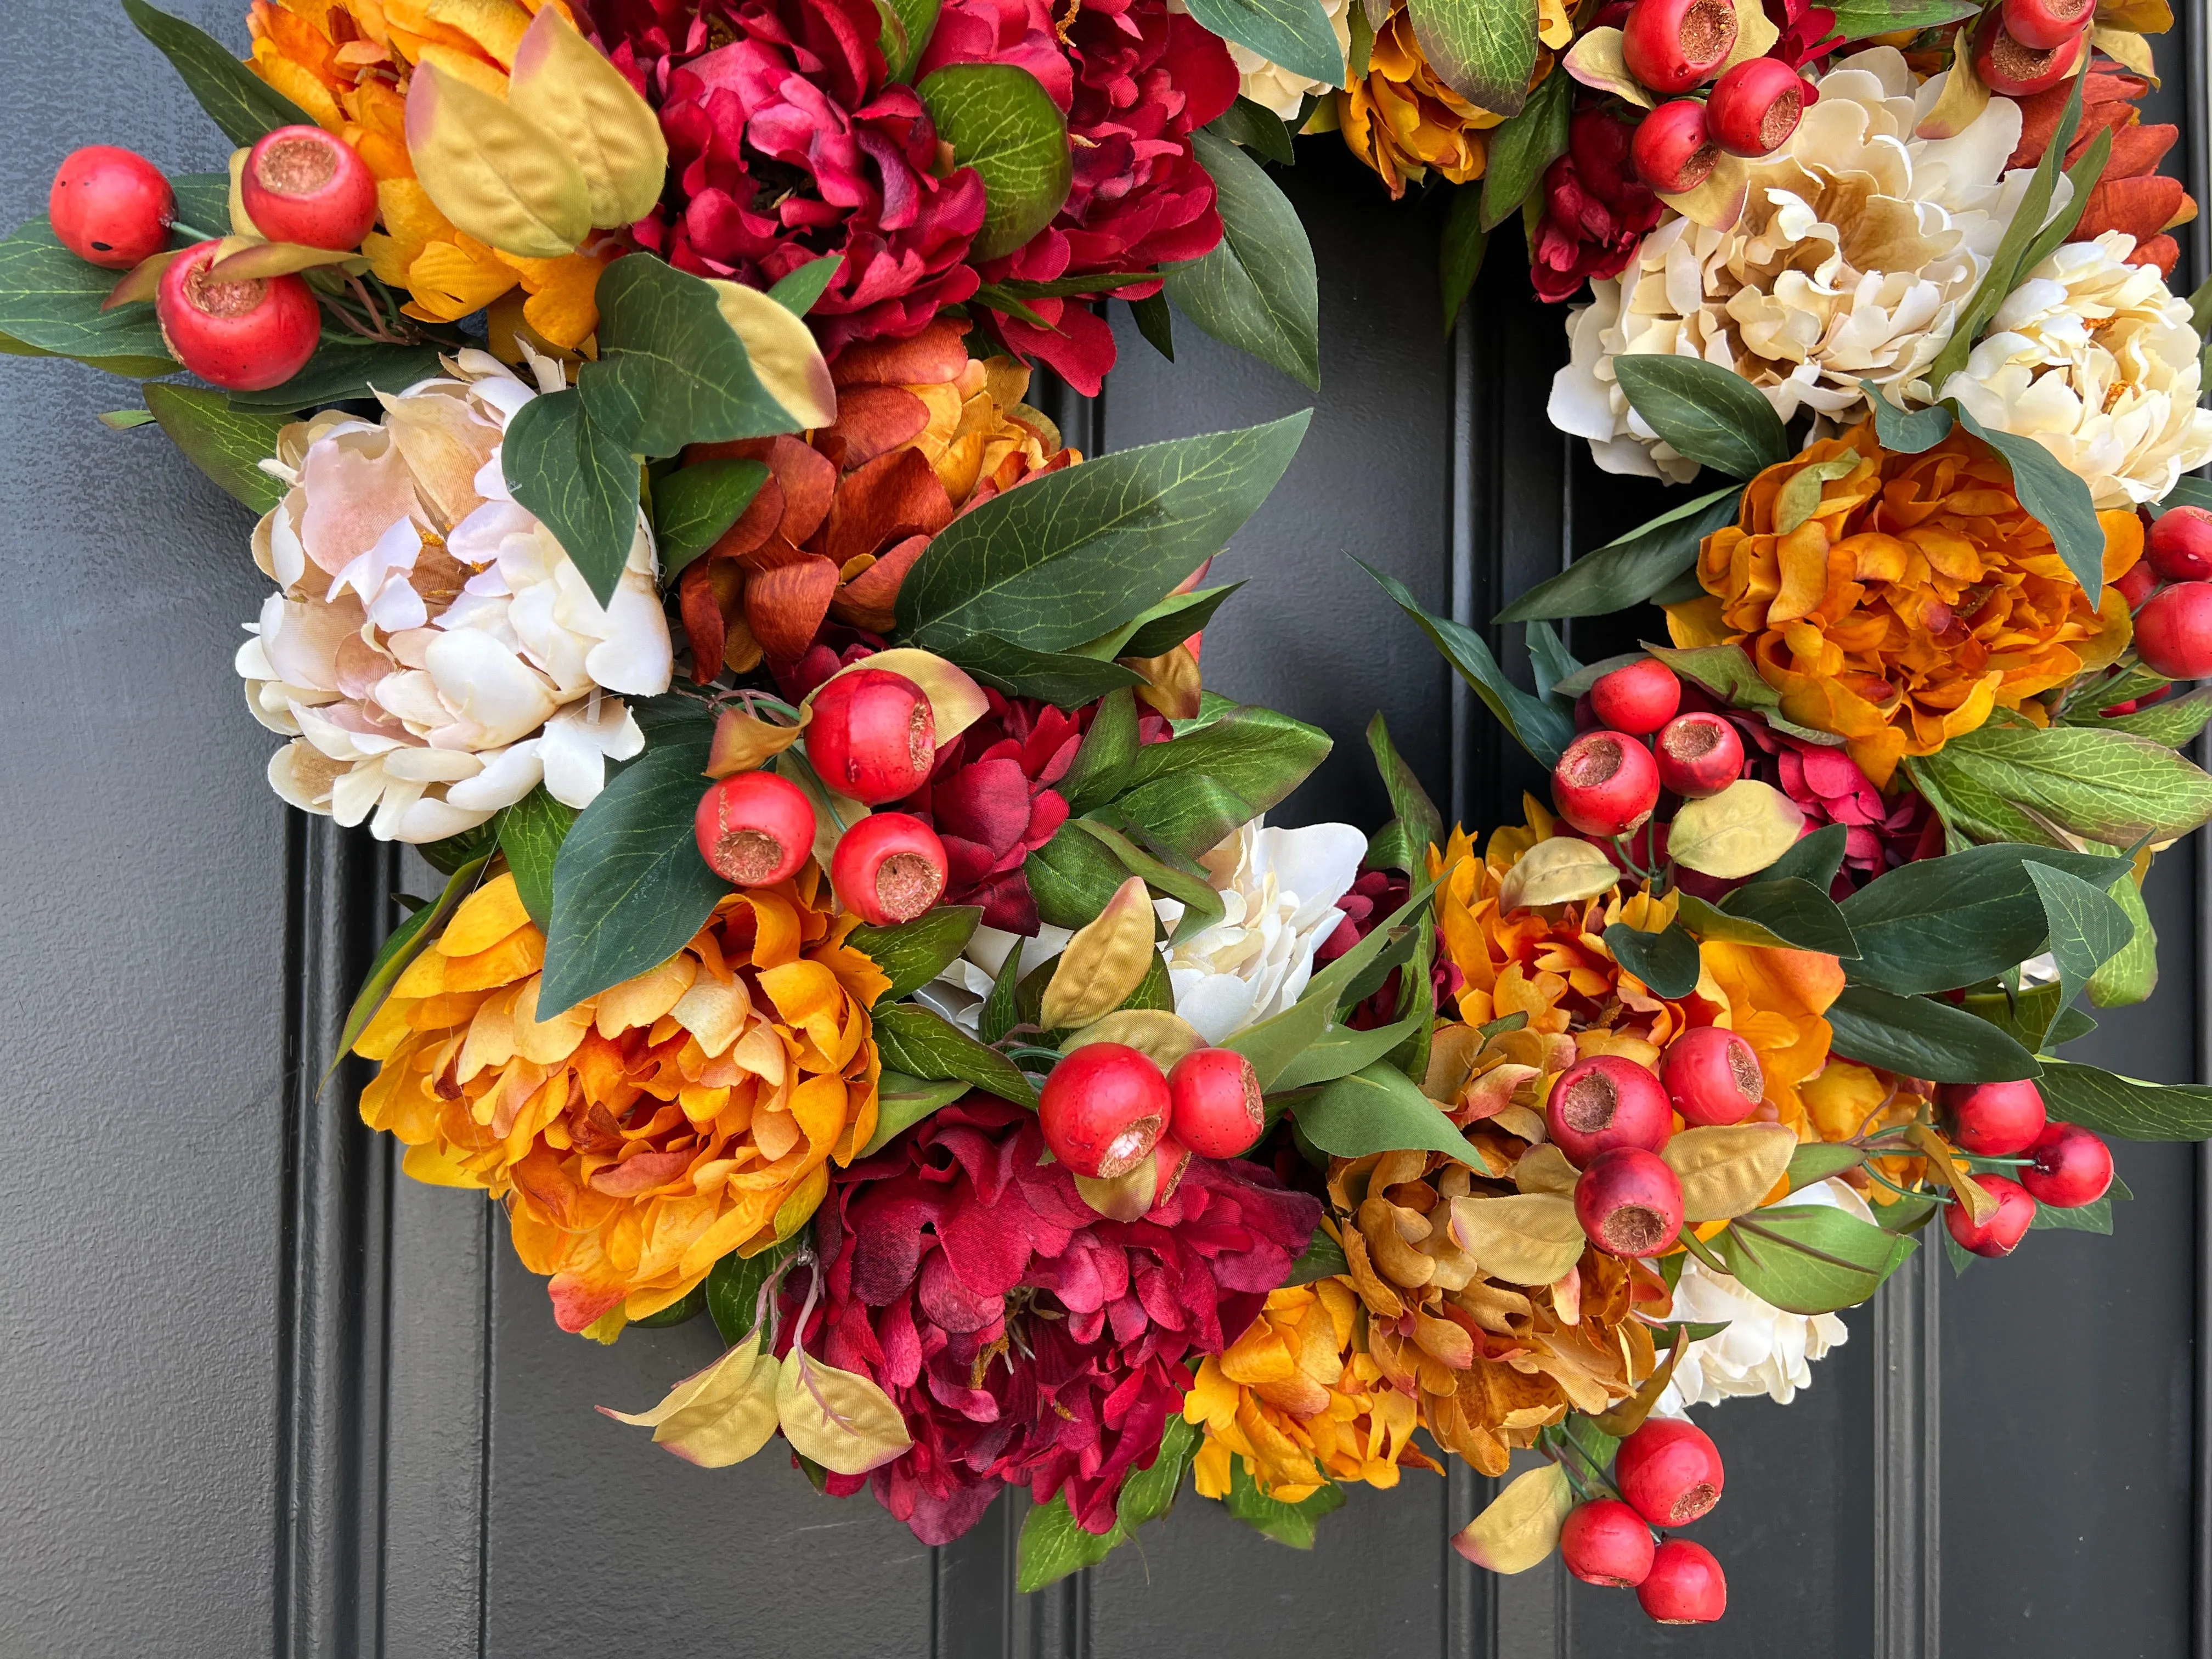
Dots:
{"x": 785, "y": 143}
{"x": 1378, "y": 894}
{"x": 1134, "y": 81}
{"x": 1596, "y": 208}
{"x": 1025, "y": 1338}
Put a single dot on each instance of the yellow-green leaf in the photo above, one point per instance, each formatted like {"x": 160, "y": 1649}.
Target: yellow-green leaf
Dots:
{"x": 494, "y": 172}
{"x": 563, "y": 85}
{"x": 1103, "y": 963}
{"x": 1738, "y": 832}
{"x": 1529, "y": 1239}
{"x": 839, "y": 1418}
{"x": 785, "y": 359}
{"x": 1728, "y": 1170}
{"x": 720, "y": 1416}
{"x": 1520, "y": 1527}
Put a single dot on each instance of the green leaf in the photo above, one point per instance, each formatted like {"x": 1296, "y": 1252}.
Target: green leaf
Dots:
{"x": 1174, "y": 620}
{"x": 915, "y": 952}
{"x": 2083, "y": 176}
{"x": 901, "y": 1102}
{"x": 629, "y": 888}
{"x": 400, "y": 947}
{"x": 1286, "y": 1523}
{"x": 449, "y": 854}
{"x": 1072, "y": 878}
{"x": 1295, "y": 34}
{"x": 1790, "y": 911}
{"x": 581, "y": 480}
{"x": 2173, "y": 723}
{"x": 1459, "y": 254}
{"x": 1149, "y": 1493}
{"x": 1202, "y": 905}
{"x": 1913, "y": 434}
{"x": 1257, "y": 289}
{"x": 1100, "y": 766}
{"x": 1378, "y": 1108}
{"x": 1343, "y": 1050}
{"x": 734, "y": 1286}
{"x": 2056, "y": 498}
{"x": 681, "y": 1311}
{"x": 2087, "y": 928}
{"x": 227, "y": 444}
{"x": 1058, "y": 677}
{"x": 1000, "y": 121}
{"x": 1069, "y": 555}
{"x": 1538, "y": 726}
{"x": 2115, "y": 1105}
{"x": 797, "y": 292}
{"x": 203, "y": 207}
{"x": 1409, "y": 803}
{"x": 670, "y": 370}
{"x": 1002, "y": 1009}
{"x": 530, "y": 834}
{"x": 1809, "y": 1258}
{"x": 1630, "y": 568}
{"x": 1817, "y": 1162}
{"x": 695, "y": 505}
{"x": 130, "y": 369}
{"x": 1523, "y": 147}
{"x": 1189, "y": 812}
{"x": 1667, "y": 961}
{"x": 1484, "y": 50}
{"x": 2101, "y": 785}
{"x": 235, "y": 98}
{"x": 1917, "y": 1037}
{"x": 1323, "y": 1258}
{"x": 1857, "y": 19}
{"x": 1275, "y": 1043}
{"x": 2132, "y": 975}
{"x": 343, "y": 372}
{"x": 1257, "y": 128}
{"x": 1259, "y": 753}
{"x": 1726, "y": 670}
{"x": 1550, "y": 660}
{"x": 49, "y": 300}
{"x": 1936, "y": 924}
{"x": 1814, "y": 860}
{"x": 2071, "y": 1026}
{"x": 1708, "y": 413}
{"x": 1053, "y": 1545}
{"x": 914, "y": 1041}
{"x": 2025, "y": 1017}
{"x": 1156, "y": 323}
{"x": 2095, "y": 1218}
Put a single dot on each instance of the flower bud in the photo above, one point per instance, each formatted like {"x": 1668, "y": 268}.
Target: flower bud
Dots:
{"x": 1216, "y": 1102}
{"x": 2044, "y": 24}
{"x": 244, "y": 336}
{"x": 110, "y": 206}
{"x": 2178, "y": 547}
{"x": 1607, "y": 1542}
{"x": 2010, "y": 66}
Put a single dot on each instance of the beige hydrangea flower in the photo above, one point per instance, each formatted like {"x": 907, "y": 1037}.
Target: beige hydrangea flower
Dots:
{"x": 432, "y": 652}
{"x": 2095, "y": 360}
{"x": 1858, "y": 245}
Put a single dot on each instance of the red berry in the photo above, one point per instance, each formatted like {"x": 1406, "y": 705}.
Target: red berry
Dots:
{"x": 1605, "y": 1542}
{"x": 1586, "y": 717}
{"x": 2156, "y": 694}
{"x": 1669, "y": 1470}
{"x": 1638, "y": 699}
{"x": 1698, "y": 755}
{"x": 1217, "y": 1111}
{"x": 2179, "y": 546}
{"x": 755, "y": 828}
{"x": 1686, "y": 1585}
{"x": 2072, "y": 1167}
{"x": 889, "y": 868}
{"x": 2044, "y": 24}
{"x": 1104, "y": 1109}
{"x": 1629, "y": 1202}
{"x": 244, "y": 336}
{"x": 110, "y": 206}
{"x": 1171, "y": 1159}
{"x": 1671, "y": 45}
{"x": 1712, "y": 1076}
{"x": 1991, "y": 1119}
{"x": 2010, "y": 66}
{"x": 1606, "y": 784}
{"x": 1754, "y": 106}
{"x": 2138, "y": 581}
{"x": 1605, "y": 1102}
{"x": 2173, "y": 631}
{"x": 1673, "y": 152}
{"x": 2002, "y": 1232}
{"x": 303, "y": 185}
{"x": 872, "y": 735}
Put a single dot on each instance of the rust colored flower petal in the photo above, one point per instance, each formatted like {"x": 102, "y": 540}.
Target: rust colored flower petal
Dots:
{"x": 785, "y": 607}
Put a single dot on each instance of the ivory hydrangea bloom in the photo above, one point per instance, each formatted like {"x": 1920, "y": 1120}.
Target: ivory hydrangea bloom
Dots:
{"x": 1858, "y": 245}
{"x": 432, "y": 652}
{"x": 2095, "y": 360}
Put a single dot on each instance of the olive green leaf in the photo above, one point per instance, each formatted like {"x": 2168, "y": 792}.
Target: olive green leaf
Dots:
{"x": 228, "y": 445}
{"x": 1917, "y": 1037}
{"x": 1484, "y": 50}
{"x": 1257, "y": 289}
{"x": 695, "y": 505}
{"x": 1714, "y": 417}
{"x": 1000, "y": 121}
{"x": 530, "y": 836}
{"x": 1630, "y": 568}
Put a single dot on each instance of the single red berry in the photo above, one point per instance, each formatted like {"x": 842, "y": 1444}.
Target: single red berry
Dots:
{"x": 755, "y": 828}
{"x": 1104, "y": 1109}
{"x": 1605, "y": 1102}
{"x": 1712, "y": 1076}
{"x": 1686, "y": 1585}
{"x": 1755, "y": 106}
{"x": 2179, "y": 546}
{"x": 2073, "y": 1167}
{"x": 1671, "y": 45}
{"x": 1991, "y": 1119}
{"x": 2002, "y": 1232}
{"x": 1672, "y": 151}
{"x": 2138, "y": 582}
{"x": 1629, "y": 1202}
{"x": 304, "y": 185}
{"x": 1217, "y": 1112}
{"x": 889, "y": 868}
{"x": 2156, "y": 694}
{"x": 2173, "y": 631}
{"x": 1172, "y": 1158}
{"x": 1698, "y": 755}
{"x": 1638, "y": 699}
{"x": 1605, "y": 1542}
{"x": 244, "y": 336}
{"x": 872, "y": 735}
{"x": 1606, "y": 784}
{"x": 110, "y": 206}
{"x": 1669, "y": 1471}
{"x": 2044, "y": 24}
{"x": 1586, "y": 717}
{"x": 2010, "y": 66}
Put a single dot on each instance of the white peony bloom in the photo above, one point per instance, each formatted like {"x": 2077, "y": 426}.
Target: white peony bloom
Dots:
{"x": 1763, "y": 1349}
{"x": 1274, "y": 88}
{"x": 433, "y": 653}
{"x": 2096, "y": 360}
{"x": 1858, "y": 245}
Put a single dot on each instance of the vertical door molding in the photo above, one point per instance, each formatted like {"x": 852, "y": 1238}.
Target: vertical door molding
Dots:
{"x": 1908, "y": 1468}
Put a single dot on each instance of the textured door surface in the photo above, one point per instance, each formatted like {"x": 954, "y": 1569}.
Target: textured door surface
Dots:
{"x": 263, "y": 1396}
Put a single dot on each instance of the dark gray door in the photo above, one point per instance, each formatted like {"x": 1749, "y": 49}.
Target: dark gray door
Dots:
{"x": 263, "y": 1396}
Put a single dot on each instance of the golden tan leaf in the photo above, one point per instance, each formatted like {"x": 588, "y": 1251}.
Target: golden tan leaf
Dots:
{"x": 280, "y": 259}
{"x": 1755, "y": 34}
{"x": 1520, "y": 1527}
{"x": 1738, "y": 832}
{"x": 1545, "y": 1169}
{"x": 744, "y": 742}
{"x": 1717, "y": 203}
{"x": 141, "y": 282}
{"x": 1452, "y": 1052}
{"x": 1162, "y": 1037}
{"x": 1981, "y": 1204}
{"x": 955, "y": 702}
{"x": 1124, "y": 1197}
{"x": 839, "y": 1418}
{"x": 2127, "y": 48}
{"x": 495, "y": 172}
{"x": 785, "y": 359}
{"x": 563, "y": 85}
{"x": 1596, "y": 60}
{"x": 1627, "y": 1417}
{"x": 1104, "y": 964}
{"x": 720, "y": 1416}
{"x": 1959, "y": 105}
{"x": 1173, "y": 683}
{"x": 1556, "y": 872}
{"x": 1728, "y": 1170}
{"x": 1530, "y": 1239}
{"x": 2143, "y": 16}
{"x": 1521, "y": 1120}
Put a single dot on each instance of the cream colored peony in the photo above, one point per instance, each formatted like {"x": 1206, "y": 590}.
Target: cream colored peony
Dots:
{"x": 432, "y": 653}
{"x": 1269, "y": 84}
{"x": 1858, "y": 245}
{"x": 2096, "y": 360}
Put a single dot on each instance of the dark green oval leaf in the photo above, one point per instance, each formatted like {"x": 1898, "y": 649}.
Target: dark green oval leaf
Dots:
{"x": 1918, "y": 1037}
{"x": 1541, "y": 727}
{"x": 915, "y": 952}
{"x": 49, "y": 300}
{"x": 1630, "y": 568}
{"x": 693, "y": 506}
{"x": 1667, "y": 961}
{"x": 1936, "y": 924}
{"x": 901, "y": 1102}
{"x": 561, "y": 465}
{"x": 1257, "y": 289}
{"x": 1716, "y": 418}
{"x": 1295, "y": 34}
{"x": 2115, "y": 1105}
{"x": 916, "y": 1042}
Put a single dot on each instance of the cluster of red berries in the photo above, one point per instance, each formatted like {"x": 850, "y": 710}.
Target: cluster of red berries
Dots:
{"x": 872, "y": 738}
{"x": 2067, "y": 1166}
{"x": 1107, "y": 1107}
{"x": 1611, "y": 1116}
{"x": 1674, "y": 47}
{"x": 2026, "y": 46}
{"x": 2170, "y": 590}
{"x": 1608, "y": 780}
{"x": 300, "y": 185}
{"x": 1668, "y": 1474}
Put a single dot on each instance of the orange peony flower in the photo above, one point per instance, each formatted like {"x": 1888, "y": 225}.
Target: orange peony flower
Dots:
{"x": 649, "y": 1131}
{"x": 347, "y": 63}
{"x": 1918, "y": 596}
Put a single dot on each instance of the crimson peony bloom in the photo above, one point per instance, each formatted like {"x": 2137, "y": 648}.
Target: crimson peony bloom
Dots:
{"x": 1596, "y": 208}
{"x": 785, "y": 143}
{"x": 1026, "y": 1338}
{"x": 1378, "y": 894}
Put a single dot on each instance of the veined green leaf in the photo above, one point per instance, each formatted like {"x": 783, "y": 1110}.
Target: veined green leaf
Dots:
{"x": 530, "y": 836}
{"x": 914, "y": 1041}
{"x": 226, "y": 444}
{"x": 1257, "y": 289}
{"x": 1523, "y": 147}
{"x": 913, "y": 953}
{"x": 2101, "y": 785}
{"x": 240, "y": 102}
{"x": 2115, "y": 1105}
{"x": 50, "y": 302}
{"x": 1295, "y": 34}
{"x": 580, "y": 479}
{"x": 1484, "y": 50}
{"x": 693, "y": 506}
{"x": 1716, "y": 417}
{"x": 1916, "y": 1038}
{"x": 1809, "y": 1258}
{"x": 1000, "y": 121}
{"x": 1936, "y": 924}
{"x": 1630, "y": 568}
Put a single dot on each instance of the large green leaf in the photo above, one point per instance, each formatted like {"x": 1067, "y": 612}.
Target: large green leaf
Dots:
{"x": 1810, "y": 1258}
{"x": 228, "y": 445}
{"x": 1000, "y": 121}
{"x": 1541, "y": 727}
{"x": 1630, "y": 568}
{"x": 2083, "y": 176}
{"x": 1102, "y": 762}
{"x": 1343, "y": 1050}
{"x": 342, "y": 371}
{"x": 1172, "y": 621}
{"x": 1378, "y": 1108}
{"x": 1259, "y": 753}
{"x": 1201, "y": 905}
{"x": 1257, "y": 289}
{"x": 920, "y": 1043}
{"x": 236, "y": 99}
{"x": 1255, "y": 128}
{"x": 1917, "y": 1037}
{"x": 2087, "y": 927}
{"x": 580, "y": 478}
{"x": 1189, "y": 813}
{"x": 1058, "y": 678}
{"x": 1295, "y": 34}
{"x": 2101, "y": 785}
{"x": 2173, "y": 723}
{"x": 400, "y": 947}
{"x": 1070, "y": 556}
{"x": 1714, "y": 417}
{"x": 913, "y": 953}
{"x": 1072, "y": 878}
{"x": 1523, "y": 147}
{"x": 1936, "y": 924}
{"x": 1484, "y": 50}
{"x": 695, "y": 505}
{"x": 50, "y": 300}
{"x": 530, "y": 836}
{"x": 629, "y": 888}
{"x": 2115, "y": 1105}
{"x": 670, "y": 370}
{"x": 1790, "y": 912}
